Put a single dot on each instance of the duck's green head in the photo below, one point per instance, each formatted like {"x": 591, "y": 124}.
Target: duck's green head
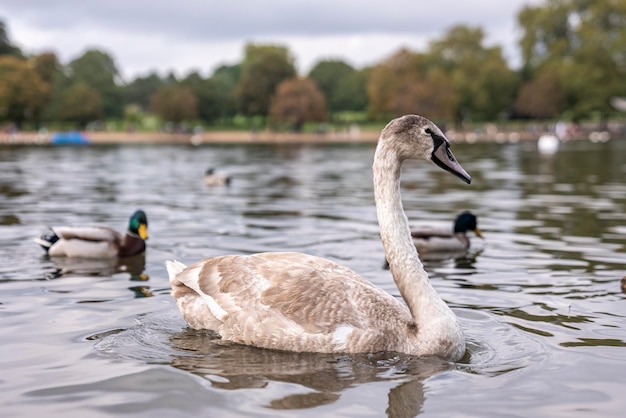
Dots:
{"x": 139, "y": 224}
{"x": 466, "y": 221}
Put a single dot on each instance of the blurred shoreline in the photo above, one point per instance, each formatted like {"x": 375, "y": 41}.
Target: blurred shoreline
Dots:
{"x": 489, "y": 134}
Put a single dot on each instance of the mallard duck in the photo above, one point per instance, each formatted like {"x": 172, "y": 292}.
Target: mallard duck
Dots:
{"x": 98, "y": 242}
{"x": 429, "y": 239}
{"x": 299, "y": 302}
{"x": 212, "y": 178}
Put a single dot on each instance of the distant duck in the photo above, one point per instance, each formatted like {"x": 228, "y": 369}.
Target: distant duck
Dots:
{"x": 211, "y": 178}
{"x": 429, "y": 239}
{"x": 98, "y": 242}
{"x": 548, "y": 144}
{"x": 623, "y": 284}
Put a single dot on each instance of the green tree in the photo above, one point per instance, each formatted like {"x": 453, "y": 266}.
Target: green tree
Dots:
{"x": 484, "y": 85}
{"x": 207, "y": 96}
{"x": 584, "y": 43}
{"x": 22, "y": 91}
{"x": 225, "y": 79}
{"x": 297, "y": 101}
{"x": 47, "y": 66}
{"x": 344, "y": 87}
{"x": 6, "y": 46}
{"x": 97, "y": 69}
{"x": 81, "y": 104}
{"x": 174, "y": 103}
{"x": 140, "y": 90}
{"x": 263, "y": 68}
{"x": 351, "y": 95}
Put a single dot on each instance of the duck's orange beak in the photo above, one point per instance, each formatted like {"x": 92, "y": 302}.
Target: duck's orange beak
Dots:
{"x": 143, "y": 231}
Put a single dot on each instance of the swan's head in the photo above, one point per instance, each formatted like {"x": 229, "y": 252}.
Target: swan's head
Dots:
{"x": 416, "y": 137}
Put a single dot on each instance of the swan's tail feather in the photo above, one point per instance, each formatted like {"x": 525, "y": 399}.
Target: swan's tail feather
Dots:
{"x": 174, "y": 267}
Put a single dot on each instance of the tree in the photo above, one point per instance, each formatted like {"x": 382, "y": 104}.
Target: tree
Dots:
{"x": 584, "y": 43}
{"x": 263, "y": 68}
{"x": 297, "y": 101}
{"x": 6, "y": 46}
{"x": 484, "y": 85}
{"x": 343, "y": 86}
{"x": 430, "y": 95}
{"x": 225, "y": 79}
{"x": 140, "y": 90}
{"x": 174, "y": 103}
{"x": 47, "y": 66}
{"x": 206, "y": 93}
{"x": 97, "y": 69}
{"x": 351, "y": 94}
{"x": 22, "y": 91}
{"x": 405, "y": 83}
{"x": 81, "y": 104}
{"x": 541, "y": 97}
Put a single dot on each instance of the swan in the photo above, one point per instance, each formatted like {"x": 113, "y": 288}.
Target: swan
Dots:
{"x": 429, "y": 239}
{"x": 211, "y": 178}
{"x": 548, "y": 144}
{"x": 98, "y": 242}
{"x": 298, "y": 302}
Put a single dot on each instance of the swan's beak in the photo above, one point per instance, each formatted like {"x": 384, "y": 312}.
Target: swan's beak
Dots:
{"x": 442, "y": 156}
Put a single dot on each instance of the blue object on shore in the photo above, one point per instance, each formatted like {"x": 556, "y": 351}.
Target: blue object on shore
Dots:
{"x": 69, "y": 138}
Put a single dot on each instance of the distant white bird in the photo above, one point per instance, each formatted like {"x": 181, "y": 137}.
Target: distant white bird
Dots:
{"x": 211, "y": 178}
{"x": 298, "y": 302}
{"x": 548, "y": 144}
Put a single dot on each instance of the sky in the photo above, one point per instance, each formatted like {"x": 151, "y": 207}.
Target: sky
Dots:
{"x": 200, "y": 35}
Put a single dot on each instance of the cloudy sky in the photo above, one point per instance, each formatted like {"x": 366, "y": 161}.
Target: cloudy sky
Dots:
{"x": 185, "y": 35}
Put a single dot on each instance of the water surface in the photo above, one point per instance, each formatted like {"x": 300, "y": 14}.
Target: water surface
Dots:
{"x": 539, "y": 299}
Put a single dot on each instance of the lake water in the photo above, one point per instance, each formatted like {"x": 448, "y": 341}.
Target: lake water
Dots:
{"x": 539, "y": 298}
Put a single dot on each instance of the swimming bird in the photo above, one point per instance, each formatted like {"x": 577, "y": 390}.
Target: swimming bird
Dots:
{"x": 548, "y": 144}
{"x": 298, "y": 302}
{"x": 98, "y": 242}
{"x": 212, "y": 178}
{"x": 429, "y": 239}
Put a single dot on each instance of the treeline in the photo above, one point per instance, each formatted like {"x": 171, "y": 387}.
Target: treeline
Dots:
{"x": 574, "y": 67}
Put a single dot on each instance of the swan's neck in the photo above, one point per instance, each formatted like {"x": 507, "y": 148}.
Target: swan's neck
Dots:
{"x": 404, "y": 263}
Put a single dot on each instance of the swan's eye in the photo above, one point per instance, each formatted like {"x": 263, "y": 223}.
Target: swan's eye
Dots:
{"x": 428, "y": 131}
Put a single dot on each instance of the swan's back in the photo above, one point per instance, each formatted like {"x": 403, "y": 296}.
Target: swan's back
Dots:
{"x": 290, "y": 301}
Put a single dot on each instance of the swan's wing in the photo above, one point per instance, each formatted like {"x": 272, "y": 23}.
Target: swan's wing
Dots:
{"x": 288, "y": 301}
{"x": 87, "y": 233}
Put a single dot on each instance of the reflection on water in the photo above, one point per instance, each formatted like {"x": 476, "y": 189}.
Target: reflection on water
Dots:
{"x": 307, "y": 380}
{"x": 134, "y": 266}
{"x": 540, "y": 300}
{"x": 322, "y": 378}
